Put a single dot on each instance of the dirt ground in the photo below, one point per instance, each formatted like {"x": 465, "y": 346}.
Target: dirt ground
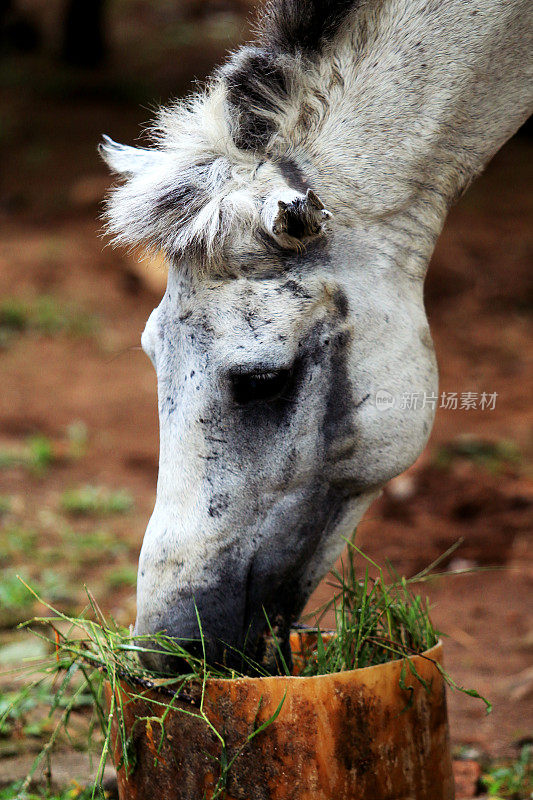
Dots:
{"x": 90, "y": 392}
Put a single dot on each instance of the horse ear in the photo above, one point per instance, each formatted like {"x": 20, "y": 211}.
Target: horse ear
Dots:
{"x": 128, "y": 161}
{"x": 294, "y": 219}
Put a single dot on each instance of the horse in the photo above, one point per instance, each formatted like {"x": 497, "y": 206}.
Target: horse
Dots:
{"x": 298, "y": 198}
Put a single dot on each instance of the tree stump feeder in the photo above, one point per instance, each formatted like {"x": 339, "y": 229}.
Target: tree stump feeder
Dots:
{"x": 354, "y": 735}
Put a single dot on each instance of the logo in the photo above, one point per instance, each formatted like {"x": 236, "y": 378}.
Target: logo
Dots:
{"x": 384, "y": 399}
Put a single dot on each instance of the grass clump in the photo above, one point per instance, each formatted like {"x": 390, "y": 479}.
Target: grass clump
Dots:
{"x": 512, "y": 781}
{"x": 36, "y": 456}
{"x": 96, "y": 501}
{"x": 16, "y": 542}
{"x": 38, "y": 452}
{"x": 120, "y": 576}
{"x": 14, "y": 594}
{"x": 17, "y": 601}
{"x": 493, "y": 456}
{"x": 44, "y": 315}
{"x": 87, "y": 547}
{"x": 5, "y": 504}
{"x": 72, "y": 792}
{"x": 14, "y": 715}
{"x": 375, "y": 621}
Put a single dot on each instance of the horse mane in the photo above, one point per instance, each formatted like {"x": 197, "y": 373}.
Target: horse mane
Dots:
{"x": 215, "y": 157}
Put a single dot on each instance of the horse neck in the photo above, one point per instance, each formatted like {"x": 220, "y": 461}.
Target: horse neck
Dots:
{"x": 407, "y": 106}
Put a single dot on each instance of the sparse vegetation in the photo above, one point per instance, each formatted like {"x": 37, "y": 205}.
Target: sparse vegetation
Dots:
{"x": 13, "y": 315}
{"x": 14, "y": 595}
{"x": 43, "y": 315}
{"x": 38, "y": 452}
{"x": 73, "y": 792}
{"x": 17, "y": 602}
{"x": 494, "y": 456}
{"x": 15, "y": 715}
{"x": 15, "y": 542}
{"x": 87, "y": 547}
{"x": 512, "y": 781}
{"x": 96, "y": 501}
{"x": 124, "y": 575}
{"x": 36, "y": 455}
{"x": 5, "y": 504}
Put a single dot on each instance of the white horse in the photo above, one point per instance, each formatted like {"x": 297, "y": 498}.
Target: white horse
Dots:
{"x": 298, "y": 200}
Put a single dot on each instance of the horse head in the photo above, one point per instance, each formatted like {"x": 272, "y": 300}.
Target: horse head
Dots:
{"x": 297, "y": 230}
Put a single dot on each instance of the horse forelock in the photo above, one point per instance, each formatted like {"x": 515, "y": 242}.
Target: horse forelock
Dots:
{"x": 222, "y": 152}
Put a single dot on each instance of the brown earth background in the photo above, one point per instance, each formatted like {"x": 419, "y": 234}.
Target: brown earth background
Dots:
{"x": 73, "y": 374}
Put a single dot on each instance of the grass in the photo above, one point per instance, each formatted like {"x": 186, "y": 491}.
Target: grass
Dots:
{"x": 17, "y": 601}
{"x": 512, "y": 781}
{"x": 16, "y": 542}
{"x": 5, "y": 504}
{"x": 124, "y": 575}
{"x": 94, "y": 650}
{"x": 13, "y": 592}
{"x": 38, "y": 452}
{"x": 493, "y": 456}
{"x": 14, "y": 716}
{"x": 36, "y": 455}
{"x": 73, "y": 792}
{"x": 377, "y": 620}
{"x": 88, "y": 547}
{"x": 44, "y": 315}
{"x": 96, "y": 501}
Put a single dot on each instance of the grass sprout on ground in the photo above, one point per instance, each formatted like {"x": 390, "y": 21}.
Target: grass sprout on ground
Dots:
{"x": 96, "y": 501}
{"x": 5, "y": 504}
{"x": 13, "y": 592}
{"x": 17, "y": 602}
{"x": 36, "y": 455}
{"x": 123, "y": 575}
{"x": 377, "y": 620}
{"x": 43, "y": 315}
{"x": 493, "y": 456}
{"x": 72, "y": 792}
{"x": 16, "y": 541}
{"x": 512, "y": 781}
{"x": 87, "y": 546}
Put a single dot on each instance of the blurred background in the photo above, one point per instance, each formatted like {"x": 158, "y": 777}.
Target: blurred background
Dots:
{"x": 78, "y": 412}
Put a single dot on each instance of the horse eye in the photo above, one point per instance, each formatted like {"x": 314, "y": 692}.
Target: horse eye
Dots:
{"x": 260, "y": 386}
